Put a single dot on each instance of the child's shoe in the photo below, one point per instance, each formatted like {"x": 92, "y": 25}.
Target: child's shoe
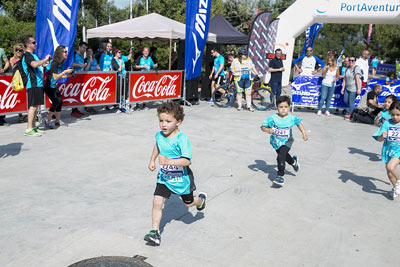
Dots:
{"x": 296, "y": 165}
{"x": 203, "y": 197}
{"x": 393, "y": 194}
{"x": 327, "y": 113}
{"x": 319, "y": 113}
{"x": 279, "y": 181}
{"x": 153, "y": 237}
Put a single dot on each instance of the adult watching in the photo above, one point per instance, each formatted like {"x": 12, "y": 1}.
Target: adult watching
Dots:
{"x": 33, "y": 68}
{"x": 145, "y": 62}
{"x": 331, "y": 74}
{"x": 351, "y": 85}
{"x": 55, "y": 71}
{"x": 4, "y": 69}
{"x": 91, "y": 61}
{"x": 308, "y": 63}
{"x": 79, "y": 59}
{"x": 368, "y": 107}
{"x": 106, "y": 58}
{"x": 18, "y": 53}
{"x": 362, "y": 62}
{"x": 217, "y": 74}
{"x": 276, "y": 68}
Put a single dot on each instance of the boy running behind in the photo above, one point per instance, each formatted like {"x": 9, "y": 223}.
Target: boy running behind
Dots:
{"x": 175, "y": 177}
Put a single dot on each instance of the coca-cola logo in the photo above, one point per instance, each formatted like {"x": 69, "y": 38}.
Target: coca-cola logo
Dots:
{"x": 94, "y": 89}
{"x": 9, "y": 99}
{"x": 165, "y": 86}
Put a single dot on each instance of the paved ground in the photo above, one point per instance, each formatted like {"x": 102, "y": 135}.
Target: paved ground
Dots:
{"x": 84, "y": 191}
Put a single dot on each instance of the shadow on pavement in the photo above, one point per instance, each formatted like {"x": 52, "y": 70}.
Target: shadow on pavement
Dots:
{"x": 364, "y": 181}
{"x": 261, "y": 165}
{"x": 372, "y": 156}
{"x": 174, "y": 209}
{"x": 10, "y": 150}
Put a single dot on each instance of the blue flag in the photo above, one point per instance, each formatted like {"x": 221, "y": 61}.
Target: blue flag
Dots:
{"x": 56, "y": 25}
{"x": 197, "y": 22}
{"x": 311, "y": 33}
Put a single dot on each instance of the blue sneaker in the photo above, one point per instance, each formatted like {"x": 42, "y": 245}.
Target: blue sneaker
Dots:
{"x": 279, "y": 181}
{"x": 203, "y": 197}
{"x": 296, "y": 165}
{"x": 153, "y": 237}
{"x": 210, "y": 100}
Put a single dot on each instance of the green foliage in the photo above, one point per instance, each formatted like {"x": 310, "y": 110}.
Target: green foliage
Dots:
{"x": 12, "y": 32}
{"x": 23, "y": 10}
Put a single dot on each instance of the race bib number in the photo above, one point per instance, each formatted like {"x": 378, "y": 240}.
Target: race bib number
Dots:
{"x": 394, "y": 134}
{"x": 172, "y": 173}
{"x": 281, "y": 132}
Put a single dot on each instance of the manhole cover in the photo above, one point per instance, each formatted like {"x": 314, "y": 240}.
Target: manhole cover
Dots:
{"x": 113, "y": 261}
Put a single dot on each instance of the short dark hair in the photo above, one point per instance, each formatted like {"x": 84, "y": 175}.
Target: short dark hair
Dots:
{"x": 278, "y": 49}
{"x": 393, "y": 97}
{"x": 82, "y": 43}
{"x": 283, "y": 98}
{"x": 376, "y": 86}
{"x": 395, "y": 105}
{"x": 171, "y": 108}
{"x": 25, "y": 39}
{"x": 215, "y": 49}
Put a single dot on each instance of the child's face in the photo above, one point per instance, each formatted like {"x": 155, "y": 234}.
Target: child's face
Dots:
{"x": 168, "y": 124}
{"x": 395, "y": 115}
{"x": 392, "y": 76}
{"x": 283, "y": 109}
{"x": 387, "y": 103}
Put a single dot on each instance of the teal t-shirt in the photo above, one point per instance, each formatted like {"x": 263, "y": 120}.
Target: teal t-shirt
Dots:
{"x": 391, "y": 145}
{"x": 149, "y": 62}
{"x": 176, "y": 178}
{"x": 2, "y": 56}
{"x": 384, "y": 115}
{"x": 282, "y": 129}
{"x": 218, "y": 61}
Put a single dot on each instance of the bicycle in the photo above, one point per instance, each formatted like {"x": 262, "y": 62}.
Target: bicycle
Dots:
{"x": 225, "y": 95}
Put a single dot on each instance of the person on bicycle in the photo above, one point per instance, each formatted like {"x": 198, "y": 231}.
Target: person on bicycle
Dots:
{"x": 243, "y": 71}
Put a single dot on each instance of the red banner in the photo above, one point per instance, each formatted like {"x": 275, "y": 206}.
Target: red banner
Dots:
{"x": 11, "y": 101}
{"x": 88, "y": 89}
{"x": 147, "y": 86}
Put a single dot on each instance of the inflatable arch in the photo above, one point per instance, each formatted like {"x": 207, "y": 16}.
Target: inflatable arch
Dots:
{"x": 303, "y": 13}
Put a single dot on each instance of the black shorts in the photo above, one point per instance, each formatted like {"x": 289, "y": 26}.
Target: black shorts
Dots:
{"x": 163, "y": 191}
{"x": 35, "y": 96}
{"x": 219, "y": 80}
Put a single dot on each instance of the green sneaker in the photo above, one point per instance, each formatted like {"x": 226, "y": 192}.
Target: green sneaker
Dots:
{"x": 203, "y": 197}
{"x": 36, "y": 129}
{"x": 32, "y": 132}
{"x": 153, "y": 237}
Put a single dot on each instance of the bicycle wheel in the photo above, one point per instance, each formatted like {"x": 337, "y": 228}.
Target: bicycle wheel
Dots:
{"x": 224, "y": 96}
{"x": 260, "y": 99}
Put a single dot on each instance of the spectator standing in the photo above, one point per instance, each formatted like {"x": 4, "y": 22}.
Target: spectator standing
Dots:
{"x": 91, "y": 61}
{"x": 106, "y": 58}
{"x": 217, "y": 74}
{"x": 33, "y": 68}
{"x": 331, "y": 74}
{"x": 308, "y": 63}
{"x": 346, "y": 64}
{"x": 18, "y": 53}
{"x": 153, "y": 52}
{"x": 398, "y": 68}
{"x": 79, "y": 65}
{"x": 145, "y": 62}
{"x": 3, "y": 69}
{"x": 362, "y": 62}
{"x": 374, "y": 65}
{"x": 351, "y": 85}
{"x": 139, "y": 53}
{"x": 276, "y": 68}
{"x": 174, "y": 60}
{"x": 55, "y": 71}
{"x": 118, "y": 64}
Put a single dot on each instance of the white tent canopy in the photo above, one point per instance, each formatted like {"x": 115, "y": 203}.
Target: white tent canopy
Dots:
{"x": 151, "y": 26}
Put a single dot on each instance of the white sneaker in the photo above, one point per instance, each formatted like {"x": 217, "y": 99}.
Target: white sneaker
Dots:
{"x": 397, "y": 188}
{"x": 319, "y": 113}
{"x": 327, "y": 113}
{"x": 393, "y": 194}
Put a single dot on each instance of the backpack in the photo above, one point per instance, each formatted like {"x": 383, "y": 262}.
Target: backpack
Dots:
{"x": 19, "y": 79}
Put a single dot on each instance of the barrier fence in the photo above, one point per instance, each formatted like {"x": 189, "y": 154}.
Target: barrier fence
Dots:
{"x": 306, "y": 91}
{"x": 88, "y": 89}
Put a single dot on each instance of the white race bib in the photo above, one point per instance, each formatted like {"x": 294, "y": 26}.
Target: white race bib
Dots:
{"x": 394, "y": 134}
{"x": 281, "y": 132}
{"x": 172, "y": 173}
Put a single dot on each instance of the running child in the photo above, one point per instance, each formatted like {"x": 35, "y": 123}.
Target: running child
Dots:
{"x": 279, "y": 126}
{"x": 384, "y": 115}
{"x": 174, "y": 156}
{"x": 390, "y": 134}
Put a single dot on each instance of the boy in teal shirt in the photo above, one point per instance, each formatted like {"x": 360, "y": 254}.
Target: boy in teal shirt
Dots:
{"x": 174, "y": 156}
{"x": 279, "y": 126}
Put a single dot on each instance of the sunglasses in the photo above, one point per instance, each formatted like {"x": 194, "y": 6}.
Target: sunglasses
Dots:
{"x": 34, "y": 42}
{"x": 65, "y": 52}
{"x": 352, "y": 60}
{"x": 309, "y": 50}
{"x": 19, "y": 50}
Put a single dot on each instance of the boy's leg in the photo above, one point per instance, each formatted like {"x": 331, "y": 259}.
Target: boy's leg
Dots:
{"x": 283, "y": 152}
{"x": 289, "y": 158}
{"x": 158, "y": 202}
{"x": 392, "y": 172}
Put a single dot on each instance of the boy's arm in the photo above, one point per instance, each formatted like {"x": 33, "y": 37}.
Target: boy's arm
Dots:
{"x": 174, "y": 162}
{"x": 156, "y": 152}
{"x": 382, "y": 137}
{"x": 303, "y": 131}
{"x": 376, "y": 121}
{"x": 267, "y": 129}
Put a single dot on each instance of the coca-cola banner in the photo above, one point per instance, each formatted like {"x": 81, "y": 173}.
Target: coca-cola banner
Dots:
{"x": 10, "y": 100}
{"x": 88, "y": 89}
{"x": 148, "y": 86}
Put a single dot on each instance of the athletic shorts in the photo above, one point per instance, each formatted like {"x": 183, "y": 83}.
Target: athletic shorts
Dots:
{"x": 219, "y": 80}
{"x": 35, "y": 96}
{"x": 243, "y": 85}
{"x": 163, "y": 191}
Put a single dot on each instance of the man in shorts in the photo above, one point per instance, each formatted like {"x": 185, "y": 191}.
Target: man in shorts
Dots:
{"x": 33, "y": 68}
{"x": 217, "y": 75}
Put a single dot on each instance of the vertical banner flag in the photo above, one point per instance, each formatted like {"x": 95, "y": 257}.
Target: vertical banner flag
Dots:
{"x": 311, "y": 33}
{"x": 197, "y": 22}
{"x": 369, "y": 36}
{"x": 259, "y": 41}
{"x": 56, "y": 25}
